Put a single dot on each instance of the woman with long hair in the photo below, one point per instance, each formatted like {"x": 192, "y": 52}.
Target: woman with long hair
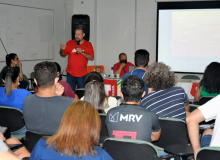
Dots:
{"x": 10, "y": 95}
{"x": 95, "y": 93}
{"x": 210, "y": 83}
{"x": 76, "y": 138}
{"x": 12, "y": 60}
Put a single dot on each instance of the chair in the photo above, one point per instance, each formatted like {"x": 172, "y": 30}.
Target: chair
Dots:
{"x": 191, "y": 77}
{"x": 130, "y": 149}
{"x": 205, "y": 99}
{"x": 104, "y": 131}
{"x": 13, "y": 119}
{"x": 212, "y": 153}
{"x": 92, "y": 68}
{"x": 80, "y": 92}
{"x": 31, "y": 139}
{"x": 193, "y": 107}
{"x": 173, "y": 131}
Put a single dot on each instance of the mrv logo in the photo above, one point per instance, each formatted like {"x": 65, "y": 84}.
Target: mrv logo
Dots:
{"x": 127, "y": 117}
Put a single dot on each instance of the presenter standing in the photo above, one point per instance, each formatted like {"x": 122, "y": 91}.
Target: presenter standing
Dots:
{"x": 79, "y": 52}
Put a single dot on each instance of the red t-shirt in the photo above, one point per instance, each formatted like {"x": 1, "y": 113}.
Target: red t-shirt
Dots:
{"x": 77, "y": 63}
{"x": 124, "y": 70}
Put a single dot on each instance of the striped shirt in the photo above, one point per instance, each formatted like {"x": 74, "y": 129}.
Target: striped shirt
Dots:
{"x": 167, "y": 103}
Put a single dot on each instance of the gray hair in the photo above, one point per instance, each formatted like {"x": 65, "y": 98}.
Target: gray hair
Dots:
{"x": 159, "y": 77}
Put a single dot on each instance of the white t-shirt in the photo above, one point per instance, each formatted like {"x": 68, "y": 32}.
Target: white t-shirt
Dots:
{"x": 211, "y": 110}
{"x": 3, "y": 147}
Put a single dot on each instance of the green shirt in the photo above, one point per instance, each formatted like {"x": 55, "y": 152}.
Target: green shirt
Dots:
{"x": 203, "y": 93}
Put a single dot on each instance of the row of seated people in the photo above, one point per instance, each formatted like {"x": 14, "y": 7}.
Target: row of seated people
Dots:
{"x": 43, "y": 84}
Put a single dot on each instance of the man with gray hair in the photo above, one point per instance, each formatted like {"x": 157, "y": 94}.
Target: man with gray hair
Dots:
{"x": 164, "y": 98}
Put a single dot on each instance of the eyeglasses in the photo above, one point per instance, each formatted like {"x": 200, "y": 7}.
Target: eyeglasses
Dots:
{"x": 16, "y": 58}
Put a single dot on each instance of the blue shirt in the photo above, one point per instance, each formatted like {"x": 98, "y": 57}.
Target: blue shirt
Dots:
{"x": 167, "y": 103}
{"x": 16, "y": 99}
{"x": 140, "y": 73}
{"x": 42, "y": 152}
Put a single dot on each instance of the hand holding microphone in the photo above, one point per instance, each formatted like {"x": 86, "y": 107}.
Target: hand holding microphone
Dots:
{"x": 77, "y": 46}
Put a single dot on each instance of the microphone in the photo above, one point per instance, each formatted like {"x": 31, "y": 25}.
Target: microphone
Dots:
{"x": 77, "y": 46}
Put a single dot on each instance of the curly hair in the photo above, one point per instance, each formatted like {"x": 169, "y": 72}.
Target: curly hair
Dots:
{"x": 159, "y": 77}
{"x": 211, "y": 78}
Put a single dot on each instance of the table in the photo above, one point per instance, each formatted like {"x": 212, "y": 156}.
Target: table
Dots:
{"x": 112, "y": 86}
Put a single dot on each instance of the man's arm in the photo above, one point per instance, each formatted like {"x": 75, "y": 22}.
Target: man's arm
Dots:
{"x": 197, "y": 95}
{"x": 187, "y": 107}
{"x": 155, "y": 135}
{"x": 193, "y": 121}
{"x": 21, "y": 76}
{"x": 62, "y": 48}
{"x": 119, "y": 69}
{"x": 88, "y": 56}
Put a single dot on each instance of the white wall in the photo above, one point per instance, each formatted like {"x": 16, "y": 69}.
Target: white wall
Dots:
{"x": 120, "y": 26}
{"x": 60, "y": 27}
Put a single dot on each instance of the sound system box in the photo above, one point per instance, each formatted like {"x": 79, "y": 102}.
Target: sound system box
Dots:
{"x": 81, "y": 20}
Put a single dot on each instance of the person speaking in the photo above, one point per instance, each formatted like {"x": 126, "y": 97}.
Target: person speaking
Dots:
{"x": 79, "y": 52}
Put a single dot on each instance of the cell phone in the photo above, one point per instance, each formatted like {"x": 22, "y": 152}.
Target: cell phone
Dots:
{"x": 15, "y": 146}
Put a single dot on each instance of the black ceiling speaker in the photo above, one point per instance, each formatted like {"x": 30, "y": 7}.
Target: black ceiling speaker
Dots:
{"x": 80, "y": 20}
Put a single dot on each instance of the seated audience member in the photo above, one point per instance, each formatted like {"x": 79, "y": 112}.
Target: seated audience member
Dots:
{"x": 95, "y": 93}
{"x": 76, "y": 138}
{"x": 44, "y": 110}
{"x": 68, "y": 92}
{"x": 129, "y": 120}
{"x": 122, "y": 67}
{"x": 10, "y": 95}
{"x": 12, "y": 60}
{"x": 208, "y": 111}
{"x": 165, "y": 99}
{"x": 210, "y": 83}
{"x": 6, "y": 153}
{"x": 141, "y": 62}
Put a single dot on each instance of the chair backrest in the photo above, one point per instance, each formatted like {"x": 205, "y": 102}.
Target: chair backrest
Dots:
{"x": 193, "y": 107}
{"x": 25, "y": 77}
{"x": 130, "y": 149}
{"x": 205, "y": 153}
{"x": 191, "y": 77}
{"x": 12, "y": 118}
{"x": 173, "y": 131}
{"x": 92, "y": 68}
{"x": 205, "y": 99}
{"x": 104, "y": 131}
{"x": 31, "y": 139}
{"x": 80, "y": 92}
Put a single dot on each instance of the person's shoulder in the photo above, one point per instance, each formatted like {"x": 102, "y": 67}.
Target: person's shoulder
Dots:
{"x": 2, "y": 89}
{"x": 30, "y": 97}
{"x": 64, "y": 99}
{"x": 177, "y": 88}
{"x": 126, "y": 75}
{"x": 103, "y": 154}
{"x": 23, "y": 91}
{"x": 3, "y": 69}
{"x": 71, "y": 42}
{"x": 130, "y": 64}
{"x": 118, "y": 63}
